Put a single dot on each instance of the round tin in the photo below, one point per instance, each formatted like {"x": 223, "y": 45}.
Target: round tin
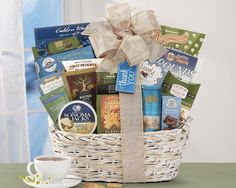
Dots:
{"x": 77, "y": 117}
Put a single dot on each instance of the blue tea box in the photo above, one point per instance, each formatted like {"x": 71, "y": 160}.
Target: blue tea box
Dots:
{"x": 180, "y": 64}
{"x": 126, "y": 78}
{"x": 171, "y": 107}
{"x": 44, "y": 35}
{"x": 49, "y": 83}
{"x": 53, "y": 63}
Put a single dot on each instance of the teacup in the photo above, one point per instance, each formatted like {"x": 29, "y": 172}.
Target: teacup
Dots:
{"x": 54, "y": 166}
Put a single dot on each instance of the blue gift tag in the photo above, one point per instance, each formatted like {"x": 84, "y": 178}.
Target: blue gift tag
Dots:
{"x": 126, "y": 78}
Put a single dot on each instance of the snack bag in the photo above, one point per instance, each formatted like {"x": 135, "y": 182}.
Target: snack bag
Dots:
{"x": 173, "y": 86}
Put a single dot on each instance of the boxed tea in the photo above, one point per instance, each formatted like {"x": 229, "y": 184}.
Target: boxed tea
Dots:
{"x": 173, "y": 86}
{"x": 171, "y": 107}
{"x": 108, "y": 112}
{"x": 181, "y": 65}
{"x": 81, "y": 85}
{"x": 185, "y": 41}
{"x": 44, "y": 35}
{"x": 53, "y": 63}
{"x": 53, "y": 103}
{"x": 49, "y": 83}
{"x": 106, "y": 83}
{"x": 79, "y": 64}
{"x": 151, "y": 108}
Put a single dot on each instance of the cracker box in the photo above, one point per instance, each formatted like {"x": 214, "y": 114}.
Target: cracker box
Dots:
{"x": 108, "y": 112}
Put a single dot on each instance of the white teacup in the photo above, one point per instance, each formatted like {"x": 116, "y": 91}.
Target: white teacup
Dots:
{"x": 54, "y": 166}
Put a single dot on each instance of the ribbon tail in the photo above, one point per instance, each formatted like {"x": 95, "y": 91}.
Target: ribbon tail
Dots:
{"x": 155, "y": 50}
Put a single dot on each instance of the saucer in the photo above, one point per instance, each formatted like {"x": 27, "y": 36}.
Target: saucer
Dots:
{"x": 69, "y": 181}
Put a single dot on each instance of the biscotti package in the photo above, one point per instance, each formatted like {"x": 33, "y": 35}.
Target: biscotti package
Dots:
{"x": 173, "y": 86}
{"x": 151, "y": 108}
{"x": 81, "y": 85}
{"x": 185, "y": 41}
{"x": 106, "y": 83}
{"x": 45, "y": 35}
{"x": 79, "y": 64}
{"x": 171, "y": 107}
{"x": 108, "y": 112}
{"x": 49, "y": 83}
{"x": 53, "y": 103}
{"x": 53, "y": 63}
{"x": 181, "y": 65}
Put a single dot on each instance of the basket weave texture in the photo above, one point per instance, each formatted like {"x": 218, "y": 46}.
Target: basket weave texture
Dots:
{"x": 97, "y": 157}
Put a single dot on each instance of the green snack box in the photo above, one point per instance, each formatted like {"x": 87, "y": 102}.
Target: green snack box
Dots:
{"x": 106, "y": 83}
{"x": 173, "y": 86}
{"x": 108, "y": 114}
{"x": 184, "y": 41}
{"x": 54, "y": 102}
{"x": 63, "y": 45}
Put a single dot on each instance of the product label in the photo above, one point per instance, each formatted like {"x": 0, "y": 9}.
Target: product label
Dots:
{"x": 75, "y": 65}
{"x": 77, "y": 117}
{"x": 170, "y": 112}
{"x": 54, "y": 101}
{"x": 188, "y": 42}
{"x": 45, "y": 35}
{"x": 108, "y": 110}
{"x": 49, "y": 83}
{"x": 179, "y": 91}
{"x": 181, "y": 65}
{"x": 53, "y": 63}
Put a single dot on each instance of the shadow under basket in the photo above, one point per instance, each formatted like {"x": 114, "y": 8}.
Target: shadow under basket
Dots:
{"x": 97, "y": 157}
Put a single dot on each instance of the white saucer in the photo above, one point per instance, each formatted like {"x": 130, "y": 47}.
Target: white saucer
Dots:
{"x": 66, "y": 183}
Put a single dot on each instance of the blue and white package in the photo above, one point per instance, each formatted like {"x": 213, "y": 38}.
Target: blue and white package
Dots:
{"x": 49, "y": 83}
{"x": 151, "y": 108}
{"x": 53, "y": 63}
{"x": 181, "y": 65}
{"x": 126, "y": 78}
{"x": 171, "y": 107}
{"x": 44, "y": 35}
{"x": 77, "y": 117}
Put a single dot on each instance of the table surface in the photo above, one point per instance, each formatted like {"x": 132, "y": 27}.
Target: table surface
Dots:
{"x": 191, "y": 175}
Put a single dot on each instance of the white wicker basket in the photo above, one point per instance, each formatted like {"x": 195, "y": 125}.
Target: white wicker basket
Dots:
{"x": 97, "y": 157}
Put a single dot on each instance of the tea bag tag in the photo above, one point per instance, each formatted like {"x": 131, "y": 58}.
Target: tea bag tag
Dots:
{"x": 126, "y": 78}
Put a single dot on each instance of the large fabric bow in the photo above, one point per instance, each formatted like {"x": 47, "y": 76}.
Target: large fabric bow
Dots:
{"x": 125, "y": 37}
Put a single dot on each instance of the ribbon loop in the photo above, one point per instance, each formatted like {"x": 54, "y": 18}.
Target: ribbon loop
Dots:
{"x": 120, "y": 17}
{"x": 98, "y": 27}
{"x": 144, "y": 22}
{"x": 135, "y": 49}
{"x": 104, "y": 43}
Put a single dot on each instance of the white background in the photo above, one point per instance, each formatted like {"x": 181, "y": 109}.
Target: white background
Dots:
{"x": 213, "y": 132}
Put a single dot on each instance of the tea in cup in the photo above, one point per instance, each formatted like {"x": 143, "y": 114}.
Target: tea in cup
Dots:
{"x": 53, "y": 166}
